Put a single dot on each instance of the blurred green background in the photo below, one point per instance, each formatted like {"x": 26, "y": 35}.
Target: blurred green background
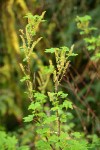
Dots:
{"x": 81, "y": 82}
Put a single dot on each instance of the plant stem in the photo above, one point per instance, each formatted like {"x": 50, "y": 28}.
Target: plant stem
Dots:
{"x": 58, "y": 123}
{"x": 50, "y": 144}
{"x": 57, "y": 113}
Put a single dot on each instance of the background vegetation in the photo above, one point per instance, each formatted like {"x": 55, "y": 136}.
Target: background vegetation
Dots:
{"x": 82, "y": 79}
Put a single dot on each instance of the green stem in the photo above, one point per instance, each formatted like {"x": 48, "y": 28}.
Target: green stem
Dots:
{"x": 58, "y": 123}
{"x": 57, "y": 113}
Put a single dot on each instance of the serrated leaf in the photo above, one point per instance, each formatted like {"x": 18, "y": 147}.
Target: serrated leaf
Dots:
{"x": 29, "y": 118}
{"x": 50, "y": 119}
{"x": 61, "y": 94}
{"x": 67, "y": 104}
{"x": 51, "y": 50}
{"x": 35, "y": 106}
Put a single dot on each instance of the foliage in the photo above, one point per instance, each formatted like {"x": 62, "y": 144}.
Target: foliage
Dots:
{"x": 92, "y": 42}
{"x": 10, "y": 142}
{"x": 52, "y": 122}
{"x": 8, "y": 106}
{"x": 74, "y": 93}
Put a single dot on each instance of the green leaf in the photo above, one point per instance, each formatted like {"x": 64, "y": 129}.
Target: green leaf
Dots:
{"x": 50, "y": 50}
{"x": 77, "y": 135}
{"x": 43, "y": 131}
{"x": 66, "y": 49}
{"x": 54, "y": 108}
{"x": 53, "y": 139}
{"x": 40, "y": 97}
{"x": 7, "y": 142}
{"x": 61, "y": 94}
{"x": 27, "y": 77}
{"x": 90, "y": 40}
{"x": 35, "y": 106}
{"x": 43, "y": 145}
{"x": 48, "y": 70}
{"x": 29, "y": 118}
{"x": 63, "y": 118}
{"x": 72, "y": 54}
{"x": 67, "y": 104}
{"x": 50, "y": 119}
{"x": 84, "y": 18}
{"x": 91, "y": 47}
